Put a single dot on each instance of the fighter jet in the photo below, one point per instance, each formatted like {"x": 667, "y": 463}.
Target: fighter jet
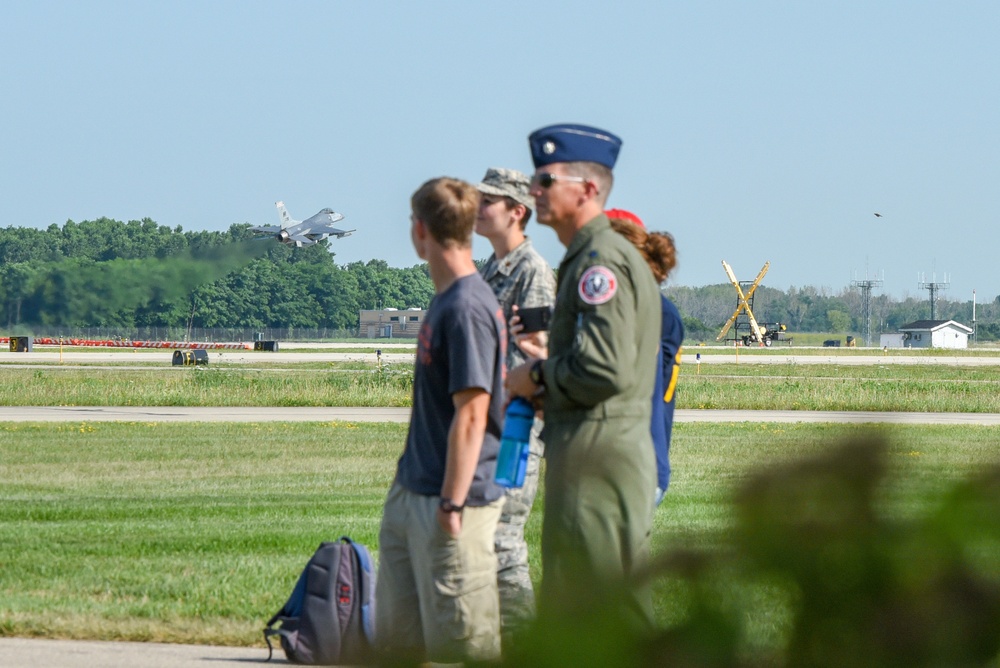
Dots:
{"x": 308, "y": 231}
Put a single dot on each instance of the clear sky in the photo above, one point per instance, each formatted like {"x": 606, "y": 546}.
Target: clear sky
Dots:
{"x": 752, "y": 131}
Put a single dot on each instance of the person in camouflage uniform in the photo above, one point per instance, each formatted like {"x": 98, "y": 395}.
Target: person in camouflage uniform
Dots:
{"x": 520, "y": 278}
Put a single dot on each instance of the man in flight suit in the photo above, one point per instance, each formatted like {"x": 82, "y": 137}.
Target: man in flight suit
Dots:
{"x": 595, "y": 384}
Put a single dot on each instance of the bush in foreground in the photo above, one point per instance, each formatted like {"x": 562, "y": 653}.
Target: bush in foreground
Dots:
{"x": 857, "y": 589}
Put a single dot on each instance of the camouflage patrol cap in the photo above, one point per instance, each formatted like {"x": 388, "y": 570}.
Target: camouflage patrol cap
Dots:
{"x": 508, "y": 183}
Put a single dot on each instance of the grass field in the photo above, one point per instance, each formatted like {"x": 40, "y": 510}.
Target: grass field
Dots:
{"x": 196, "y": 532}
{"x": 892, "y": 387}
{"x": 347, "y": 384}
{"x": 923, "y": 388}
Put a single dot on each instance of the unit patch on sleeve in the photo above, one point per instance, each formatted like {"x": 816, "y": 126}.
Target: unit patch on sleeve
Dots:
{"x": 597, "y": 285}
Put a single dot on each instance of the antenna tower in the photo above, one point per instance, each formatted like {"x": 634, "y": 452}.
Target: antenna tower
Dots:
{"x": 933, "y": 287}
{"x": 866, "y": 302}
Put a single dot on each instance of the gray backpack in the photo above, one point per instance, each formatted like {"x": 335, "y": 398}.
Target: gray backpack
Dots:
{"x": 330, "y": 616}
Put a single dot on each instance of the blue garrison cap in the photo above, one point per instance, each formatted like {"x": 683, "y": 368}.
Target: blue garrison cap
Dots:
{"x": 567, "y": 142}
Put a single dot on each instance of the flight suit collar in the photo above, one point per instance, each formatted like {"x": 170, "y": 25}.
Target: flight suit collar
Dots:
{"x": 585, "y": 235}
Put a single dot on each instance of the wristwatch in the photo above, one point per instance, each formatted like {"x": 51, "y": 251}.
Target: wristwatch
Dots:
{"x": 535, "y": 373}
{"x": 447, "y": 506}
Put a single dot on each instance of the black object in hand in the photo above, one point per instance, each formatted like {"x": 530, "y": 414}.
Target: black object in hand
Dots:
{"x": 536, "y": 318}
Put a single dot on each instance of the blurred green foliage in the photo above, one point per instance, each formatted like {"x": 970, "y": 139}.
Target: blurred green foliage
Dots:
{"x": 858, "y": 589}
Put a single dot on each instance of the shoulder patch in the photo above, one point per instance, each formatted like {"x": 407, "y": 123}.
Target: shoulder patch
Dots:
{"x": 597, "y": 285}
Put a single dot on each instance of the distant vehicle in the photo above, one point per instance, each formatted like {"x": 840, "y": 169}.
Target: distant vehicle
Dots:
{"x": 305, "y": 232}
{"x": 769, "y": 332}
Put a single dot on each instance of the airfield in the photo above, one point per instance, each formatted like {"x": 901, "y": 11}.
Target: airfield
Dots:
{"x": 31, "y": 652}
{"x": 401, "y": 355}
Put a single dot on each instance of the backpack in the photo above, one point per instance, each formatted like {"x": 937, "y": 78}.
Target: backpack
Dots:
{"x": 330, "y": 616}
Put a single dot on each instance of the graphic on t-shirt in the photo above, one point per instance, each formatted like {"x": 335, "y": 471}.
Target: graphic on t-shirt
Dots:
{"x": 424, "y": 343}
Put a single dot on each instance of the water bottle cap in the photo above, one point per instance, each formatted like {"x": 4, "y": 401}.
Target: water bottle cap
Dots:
{"x": 520, "y": 406}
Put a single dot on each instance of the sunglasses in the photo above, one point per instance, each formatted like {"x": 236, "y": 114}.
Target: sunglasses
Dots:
{"x": 545, "y": 180}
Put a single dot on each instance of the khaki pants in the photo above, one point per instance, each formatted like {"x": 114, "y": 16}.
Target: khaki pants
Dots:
{"x": 517, "y": 595}
{"x": 436, "y": 596}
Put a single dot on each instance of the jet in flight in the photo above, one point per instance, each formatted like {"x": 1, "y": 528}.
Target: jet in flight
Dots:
{"x": 308, "y": 231}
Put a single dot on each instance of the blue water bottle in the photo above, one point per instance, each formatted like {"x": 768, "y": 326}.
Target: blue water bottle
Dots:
{"x": 515, "y": 442}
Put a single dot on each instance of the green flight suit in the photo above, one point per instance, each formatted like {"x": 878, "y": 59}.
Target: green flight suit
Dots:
{"x": 600, "y": 474}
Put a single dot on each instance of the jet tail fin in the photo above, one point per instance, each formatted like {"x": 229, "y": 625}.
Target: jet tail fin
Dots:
{"x": 286, "y": 220}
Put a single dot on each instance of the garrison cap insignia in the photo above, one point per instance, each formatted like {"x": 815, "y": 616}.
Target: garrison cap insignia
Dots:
{"x": 597, "y": 285}
{"x": 569, "y": 142}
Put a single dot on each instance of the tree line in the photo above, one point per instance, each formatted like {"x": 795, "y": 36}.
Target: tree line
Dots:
{"x": 108, "y": 273}
{"x": 809, "y": 309}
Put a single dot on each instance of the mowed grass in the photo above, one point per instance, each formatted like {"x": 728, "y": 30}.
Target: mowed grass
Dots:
{"x": 921, "y": 388}
{"x": 890, "y": 387}
{"x": 176, "y": 532}
{"x": 351, "y": 384}
{"x": 196, "y": 533}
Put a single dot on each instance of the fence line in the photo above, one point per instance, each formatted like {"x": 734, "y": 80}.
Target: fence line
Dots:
{"x": 194, "y": 334}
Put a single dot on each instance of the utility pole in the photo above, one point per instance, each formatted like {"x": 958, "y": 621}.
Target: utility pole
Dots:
{"x": 866, "y": 302}
{"x": 974, "y": 339}
{"x": 933, "y": 287}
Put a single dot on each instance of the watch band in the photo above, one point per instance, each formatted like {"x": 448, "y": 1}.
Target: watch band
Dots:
{"x": 536, "y": 374}
{"x": 447, "y": 506}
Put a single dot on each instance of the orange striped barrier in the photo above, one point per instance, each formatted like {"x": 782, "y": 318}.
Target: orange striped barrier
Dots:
{"x": 110, "y": 343}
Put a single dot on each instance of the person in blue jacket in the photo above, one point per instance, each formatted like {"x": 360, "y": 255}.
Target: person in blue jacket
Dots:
{"x": 658, "y": 249}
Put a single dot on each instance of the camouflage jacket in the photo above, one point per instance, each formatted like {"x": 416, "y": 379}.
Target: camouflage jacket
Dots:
{"x": 522, "y": 278}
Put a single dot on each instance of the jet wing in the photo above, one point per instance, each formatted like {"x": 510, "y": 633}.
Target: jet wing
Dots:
{"x": 301, "y": 240}
{"x": 266, "y": 229}
{"x": 324, "y": 217}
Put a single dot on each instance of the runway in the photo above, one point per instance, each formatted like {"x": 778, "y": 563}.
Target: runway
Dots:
{"x": 215, "y": 357}
{"x": 391, "y": 354}
{"x": 199, "y": 414}
{"x": 691, "y": 357}
{"x": 402, "y": 415}
{"x": 403, "y": 357}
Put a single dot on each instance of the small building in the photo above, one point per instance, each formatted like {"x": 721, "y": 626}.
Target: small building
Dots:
{"x": 928, "y": 334}
{"x": 391, "y": 323}
{"x": 892, "y": 340}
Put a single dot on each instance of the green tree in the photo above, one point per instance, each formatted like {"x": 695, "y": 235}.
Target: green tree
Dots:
{"x": 839, "y": 321}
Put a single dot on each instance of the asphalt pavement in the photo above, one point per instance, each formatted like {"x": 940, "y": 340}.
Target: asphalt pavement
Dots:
{"x": 36, "y": 653}
{"x": 48, "y": 356}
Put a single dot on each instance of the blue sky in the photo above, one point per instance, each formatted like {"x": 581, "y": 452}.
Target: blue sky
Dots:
{"x": 753, "y": 131}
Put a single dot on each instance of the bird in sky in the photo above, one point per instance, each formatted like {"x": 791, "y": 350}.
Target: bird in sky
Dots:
{"x": 878, "y": 215}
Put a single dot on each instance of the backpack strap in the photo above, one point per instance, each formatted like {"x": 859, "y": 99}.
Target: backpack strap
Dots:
{"x": 292, "y": 608}
{"x": 367, "y": 616}
{"x": 268, "y": 632}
